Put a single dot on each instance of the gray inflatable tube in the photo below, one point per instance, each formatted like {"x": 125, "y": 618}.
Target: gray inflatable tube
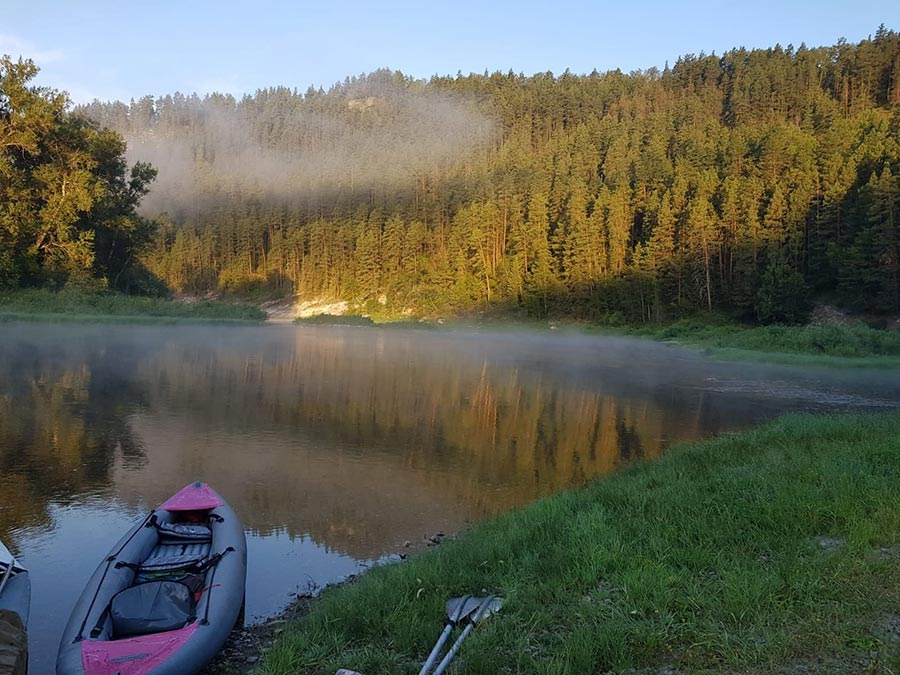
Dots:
{"x": 164, "y": 600}
{"x": 15, "y": 585}
{"x": 15, "y": 602}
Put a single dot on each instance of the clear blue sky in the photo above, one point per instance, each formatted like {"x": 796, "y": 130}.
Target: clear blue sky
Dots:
{"x": 120, "y": 50}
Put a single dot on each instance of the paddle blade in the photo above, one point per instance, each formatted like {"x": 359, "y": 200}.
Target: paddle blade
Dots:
{"x": 488, "y": 606}
{"x": 459, "y": 608}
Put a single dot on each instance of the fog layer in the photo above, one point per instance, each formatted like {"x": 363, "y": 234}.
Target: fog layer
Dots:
{"x": 378, "y": 133}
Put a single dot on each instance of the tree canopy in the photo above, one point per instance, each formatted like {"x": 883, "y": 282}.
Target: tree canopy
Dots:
{"x": 67, "y": 197}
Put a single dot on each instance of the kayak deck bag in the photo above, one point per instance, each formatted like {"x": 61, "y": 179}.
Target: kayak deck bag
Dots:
{"x": 152, "y": 607}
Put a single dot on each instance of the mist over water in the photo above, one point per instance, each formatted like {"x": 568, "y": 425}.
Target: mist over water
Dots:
{"x": 377, "y": 135}
{"x": 335, "y": 446}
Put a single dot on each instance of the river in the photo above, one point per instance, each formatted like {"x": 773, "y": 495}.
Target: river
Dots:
{"x": 337, "y": 446}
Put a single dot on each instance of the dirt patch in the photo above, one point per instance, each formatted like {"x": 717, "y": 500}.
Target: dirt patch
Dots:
{"x": 886, "y": 553}
{"x": 313, "y": 307}
{"x": 829, "y": 315}
{"x": 193, "y": 298}
{"x": 828, "y": 544}
{"x": 828, "y": 665}
{"x": 281, "y": 310}
{"x": 889, "y": 631}
{"x": 246, "y": 646}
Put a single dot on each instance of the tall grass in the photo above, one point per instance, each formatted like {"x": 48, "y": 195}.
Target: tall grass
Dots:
{"x": 853, "y": 341}
{"x": 36, "y": 303}
{"x": 776, "y": 547}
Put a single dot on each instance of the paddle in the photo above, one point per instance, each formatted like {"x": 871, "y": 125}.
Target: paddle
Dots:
{"x": 487, "y": 606}
{"x": 457, "y": 610}
{"x": 5, "y": 576}
{"x": 467, "y": 608}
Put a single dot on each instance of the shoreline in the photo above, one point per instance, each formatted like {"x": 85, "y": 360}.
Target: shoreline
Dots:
{"x": 718, "y": 352}
{"x": 719, "y": 342}
{"x": 127, "y": 319}
{"x": 850, "y": 344}
{"x": 772, "y": 549}
{"x": 246, "y": 646}
{"x": 42, "y": 305}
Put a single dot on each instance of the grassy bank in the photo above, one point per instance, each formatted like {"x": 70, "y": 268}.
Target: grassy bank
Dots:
{"x": 851, "y": 345}
{"x": 38, "y": 304}
{"x": 855, "y": 344}
{"x": 334, "y": 320}
{"x": 776, "y": 548}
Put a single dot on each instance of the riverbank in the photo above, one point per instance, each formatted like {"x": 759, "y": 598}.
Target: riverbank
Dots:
{"x": 46, "y": 305}
{"x": 771, "y": 550}
{"x": 848, "y": 345}
{"x": 852, "y": 344}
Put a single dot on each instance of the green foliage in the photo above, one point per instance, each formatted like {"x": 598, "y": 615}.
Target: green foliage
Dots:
{"x": 783, "y": 296}
{"x": 87, "y": 302}
{"x": 335, "y": 320}
{"x": 856, "y": 341}
{"x": 67, "y": 197}
{"x": 769, "y": 550}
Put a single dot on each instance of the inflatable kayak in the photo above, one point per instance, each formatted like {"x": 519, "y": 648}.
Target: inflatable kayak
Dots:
{"x": 164, "y": 600}
{"x": 15, "y": 601}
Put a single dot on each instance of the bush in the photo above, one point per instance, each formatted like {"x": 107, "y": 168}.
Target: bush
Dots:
{"x": 783, "y": 296}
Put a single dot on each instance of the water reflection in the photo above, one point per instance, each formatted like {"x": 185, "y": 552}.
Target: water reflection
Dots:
{"x": 63, "y": 419}
{"x": 337, "y": 445}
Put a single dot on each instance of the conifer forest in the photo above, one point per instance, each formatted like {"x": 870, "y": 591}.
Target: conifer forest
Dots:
{"x": 751, "y": 183}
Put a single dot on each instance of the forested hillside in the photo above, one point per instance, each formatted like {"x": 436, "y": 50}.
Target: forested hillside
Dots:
{"x": 750, "y": 182}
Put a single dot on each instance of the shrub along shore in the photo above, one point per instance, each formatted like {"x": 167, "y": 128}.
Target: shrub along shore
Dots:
{"x": 42, "y": 304}
{"x": 774, "y": 549}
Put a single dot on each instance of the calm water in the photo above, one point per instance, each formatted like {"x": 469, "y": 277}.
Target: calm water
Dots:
{"x": 335, "y": 445}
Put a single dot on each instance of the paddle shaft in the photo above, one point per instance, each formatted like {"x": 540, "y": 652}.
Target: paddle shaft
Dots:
{"x": 6, "y": 575}
{"x": 432, "y": 657}
{"x": 442, "y": 666}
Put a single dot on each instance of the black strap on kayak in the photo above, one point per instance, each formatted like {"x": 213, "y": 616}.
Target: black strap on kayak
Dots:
{"x": 101, "y": 621}
{"x": 212, "y": 578}
{"x": 109, "y": 559}
{"x": 213, "y": 560}
{"x": 198, "y": 567}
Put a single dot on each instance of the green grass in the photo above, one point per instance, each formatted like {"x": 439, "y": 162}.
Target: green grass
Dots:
{"x": 853, "y": 341}
{"x": 334, "y": 320}
{"x": 42, "y": 304}
{"x": 775, "y": 547}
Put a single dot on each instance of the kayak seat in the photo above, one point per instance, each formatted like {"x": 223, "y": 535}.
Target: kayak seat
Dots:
{"x": 151, "y": 607}
{"x": 184, "y": 532}
{"x": 168, "y": 557}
